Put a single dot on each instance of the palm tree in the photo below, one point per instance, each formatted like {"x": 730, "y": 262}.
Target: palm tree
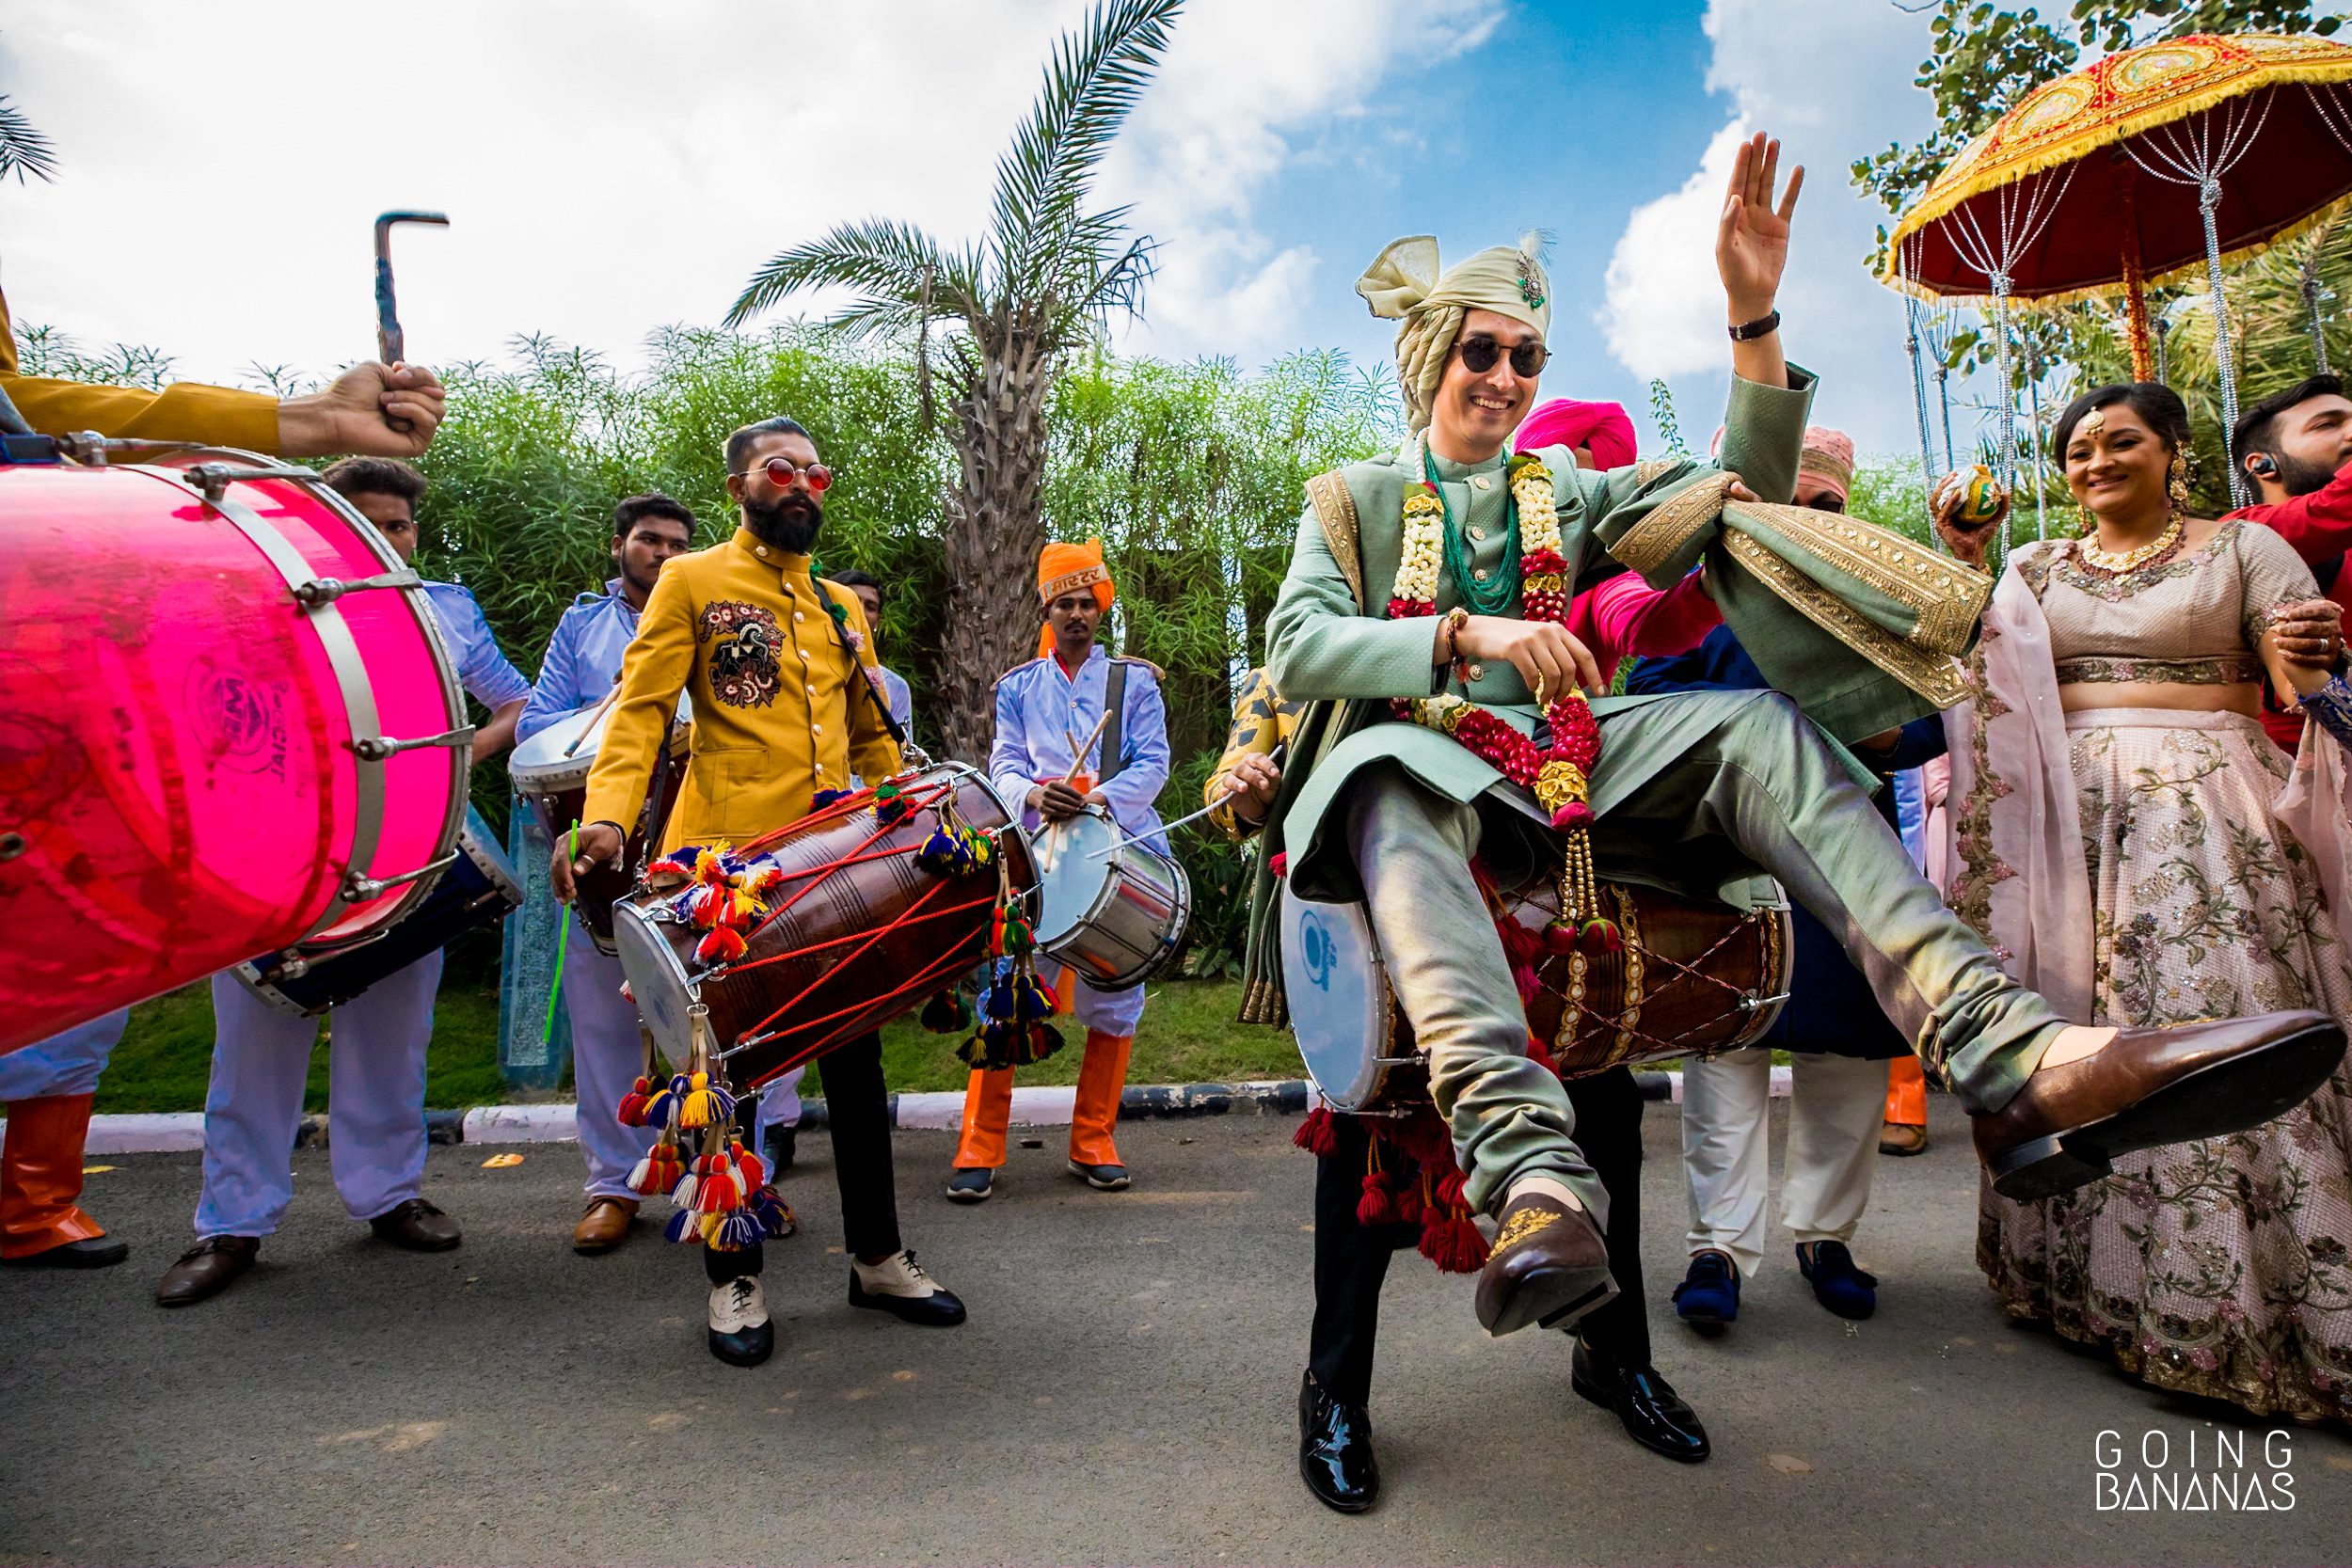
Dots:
{"x": 23, "y": 150}
{"x": 1046, "y": 279}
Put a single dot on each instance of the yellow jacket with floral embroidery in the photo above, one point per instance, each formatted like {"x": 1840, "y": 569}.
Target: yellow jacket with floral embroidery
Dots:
{"x": 781, "y": 709}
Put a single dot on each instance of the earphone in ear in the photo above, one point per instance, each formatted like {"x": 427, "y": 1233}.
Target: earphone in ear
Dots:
{"x": 2262, "y": 466}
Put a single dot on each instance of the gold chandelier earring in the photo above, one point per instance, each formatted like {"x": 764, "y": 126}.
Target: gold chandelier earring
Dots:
{"x": 2178, "y": 488}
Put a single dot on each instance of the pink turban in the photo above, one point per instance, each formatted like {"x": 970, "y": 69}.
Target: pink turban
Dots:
{"x": 1601, "y": 428}
{"x": 1828, "y": 456}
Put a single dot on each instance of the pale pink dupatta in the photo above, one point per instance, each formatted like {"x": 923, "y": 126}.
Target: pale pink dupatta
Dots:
{"x": 2015, "y": 833}
{"x": 2315, "y": 808}
{"x": 2013, "y": 785}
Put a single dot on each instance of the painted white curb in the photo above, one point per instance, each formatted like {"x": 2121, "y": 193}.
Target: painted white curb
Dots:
{"x": 522, "y": 1124}
{"x": 147, "y": 1133}
{"x": 178, "y": 1132}
{"x": 1044, "y": 1106}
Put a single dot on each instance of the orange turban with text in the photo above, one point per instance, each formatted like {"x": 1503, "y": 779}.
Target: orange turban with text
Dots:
{"x": 1062, "y": 568}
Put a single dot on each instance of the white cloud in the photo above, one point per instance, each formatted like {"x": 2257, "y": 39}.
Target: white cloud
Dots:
{"x": 1832, "y": 79}
{"x": 1243, "y": 80}
{"x": 611, "y": 166}
{"x": 1663, "y": 311}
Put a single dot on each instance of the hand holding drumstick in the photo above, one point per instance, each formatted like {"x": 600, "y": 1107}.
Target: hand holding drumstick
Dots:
{"x": 1060, "y": 799}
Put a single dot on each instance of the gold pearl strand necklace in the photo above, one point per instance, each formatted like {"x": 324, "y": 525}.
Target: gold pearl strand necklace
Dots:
{"x": 2117, "y": 562}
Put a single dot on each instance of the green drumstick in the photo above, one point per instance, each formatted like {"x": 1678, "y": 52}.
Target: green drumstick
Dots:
{"x": 555, "y": 987}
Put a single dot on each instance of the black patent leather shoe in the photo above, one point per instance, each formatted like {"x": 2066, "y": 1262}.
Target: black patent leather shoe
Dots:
{"x": 1653, "y": 1414}
{"x": 1335, "y": 1450}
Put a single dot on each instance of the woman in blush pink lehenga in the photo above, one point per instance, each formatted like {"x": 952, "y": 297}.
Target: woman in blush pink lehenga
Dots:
{"x": 2132, "y": 842}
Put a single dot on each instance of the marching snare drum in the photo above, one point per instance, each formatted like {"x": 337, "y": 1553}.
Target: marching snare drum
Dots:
{"x": 1692, "y": 979}
{"x": 856, "y": 934}
{"x": 550, "y": 770}
{"x": 228, "y": 727}
{"x": 477, "y": 891}
{"x": 1113, "y": 911}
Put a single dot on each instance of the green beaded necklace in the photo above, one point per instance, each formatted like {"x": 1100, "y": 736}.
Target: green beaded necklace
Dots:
{"x": 1495, "y": 595}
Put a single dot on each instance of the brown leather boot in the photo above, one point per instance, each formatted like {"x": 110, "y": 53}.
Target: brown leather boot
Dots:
{"x": 41, "y": 1177}
{"x": 2152, "y": 1086}
{"x": 1901, "y": 1137}
{"x": 605, "y": 1226}
{"x": 1550, "y": 1266}
{"x": 206, "y": 1269}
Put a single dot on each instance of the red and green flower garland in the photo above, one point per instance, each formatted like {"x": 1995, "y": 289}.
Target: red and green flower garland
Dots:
{"x": 1559, "y": 774}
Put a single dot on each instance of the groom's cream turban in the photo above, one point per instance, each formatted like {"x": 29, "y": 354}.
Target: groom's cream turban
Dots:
{"x": 1404, "y": 284}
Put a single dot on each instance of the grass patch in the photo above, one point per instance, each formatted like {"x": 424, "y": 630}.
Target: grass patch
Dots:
{"x": 1189, "y": 1036}
{"x": 166, "y": 1058}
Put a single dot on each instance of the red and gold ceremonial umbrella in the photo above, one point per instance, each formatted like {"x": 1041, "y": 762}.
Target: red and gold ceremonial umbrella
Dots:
{"x": 2141, "y": 168}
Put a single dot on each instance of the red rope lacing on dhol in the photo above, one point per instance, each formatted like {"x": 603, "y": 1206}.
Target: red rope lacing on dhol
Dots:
{"x": 924, "y": 979}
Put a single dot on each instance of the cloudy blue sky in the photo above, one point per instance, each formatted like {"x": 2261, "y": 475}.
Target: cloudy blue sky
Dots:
{"x": 614, "y": 164}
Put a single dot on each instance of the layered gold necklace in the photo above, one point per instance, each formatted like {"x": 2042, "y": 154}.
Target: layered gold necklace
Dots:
{"x": 2116, "y": 563}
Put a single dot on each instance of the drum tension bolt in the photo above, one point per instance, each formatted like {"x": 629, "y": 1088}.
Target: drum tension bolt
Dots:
{"x": 214, "y": 479}
{"x": 376, "y": 748}
{"x": 326, "y": 591}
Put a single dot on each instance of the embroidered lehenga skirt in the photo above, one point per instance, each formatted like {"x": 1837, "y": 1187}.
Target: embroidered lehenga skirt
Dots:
{"x": 2221, "y": 1268}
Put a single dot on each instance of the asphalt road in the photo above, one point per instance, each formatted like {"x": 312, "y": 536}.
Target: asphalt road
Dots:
{"x": 1124, "y": 1391}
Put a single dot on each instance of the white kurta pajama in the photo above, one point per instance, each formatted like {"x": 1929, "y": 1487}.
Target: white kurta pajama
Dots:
{"x": 375, "y": 1074}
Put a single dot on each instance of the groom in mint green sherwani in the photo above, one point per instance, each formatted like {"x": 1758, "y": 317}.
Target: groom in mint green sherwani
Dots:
{"x": 1705, "y": 793}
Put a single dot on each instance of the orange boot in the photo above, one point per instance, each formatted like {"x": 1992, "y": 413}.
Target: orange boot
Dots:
{"x": 987, "y": 1112}
{"x": 1906, "y": 1128}
{"x": 41, "y": 1176}
{"x": 1092, "y": 1154}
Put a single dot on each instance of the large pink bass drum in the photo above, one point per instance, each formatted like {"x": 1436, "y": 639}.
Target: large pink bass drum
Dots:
{"x": 228, "y": 727}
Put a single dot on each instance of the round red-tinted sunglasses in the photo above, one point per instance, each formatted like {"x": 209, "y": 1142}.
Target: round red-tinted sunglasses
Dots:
{"x": 781, "y": 471}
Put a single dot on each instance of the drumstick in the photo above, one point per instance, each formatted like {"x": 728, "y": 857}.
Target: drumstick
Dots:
{"x": 585, "y": 729}
{"x": 1079, "y": 757}
{"x": 1274, "y": 756}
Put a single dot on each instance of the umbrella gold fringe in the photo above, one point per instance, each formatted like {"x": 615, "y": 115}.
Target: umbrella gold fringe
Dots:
{"x": 1937, "y": 205}
{"x": 2193, "y": 270}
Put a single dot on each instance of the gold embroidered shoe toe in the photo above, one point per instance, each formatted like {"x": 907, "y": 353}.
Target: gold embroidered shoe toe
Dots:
{"x": 1548, "y": 1266}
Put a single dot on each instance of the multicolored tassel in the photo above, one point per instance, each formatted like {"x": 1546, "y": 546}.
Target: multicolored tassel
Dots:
{"x": 706, "y": 1103}
{"x": 722, "y": 944}
{"x": 774, "y": 1215}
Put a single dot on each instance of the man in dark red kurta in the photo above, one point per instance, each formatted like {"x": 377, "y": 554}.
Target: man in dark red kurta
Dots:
{"x": 2296, "y": 447}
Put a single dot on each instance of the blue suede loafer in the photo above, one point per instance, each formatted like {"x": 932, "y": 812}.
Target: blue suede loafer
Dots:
{"x": 1708, "y": 1295}
{"x": 1837, "y": 1284}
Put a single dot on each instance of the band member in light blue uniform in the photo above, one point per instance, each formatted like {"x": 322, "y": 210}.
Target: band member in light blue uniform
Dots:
{"x": 375, "y": 1086}
{"x": 1043, "y": 709}
{"x": 583, "y": 659}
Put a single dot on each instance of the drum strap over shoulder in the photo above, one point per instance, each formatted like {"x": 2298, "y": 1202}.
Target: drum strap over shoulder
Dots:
{"x": 1335, "y": 508}
{"x": 1115, "y": 711}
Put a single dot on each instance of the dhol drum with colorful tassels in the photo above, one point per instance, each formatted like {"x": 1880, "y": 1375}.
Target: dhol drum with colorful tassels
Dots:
{"x": 1682, "y": 979}
{"x": 826, "y": 929}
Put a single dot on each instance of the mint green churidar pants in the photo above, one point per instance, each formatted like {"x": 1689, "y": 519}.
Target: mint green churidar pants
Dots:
{"x": 1763, "y": 782}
